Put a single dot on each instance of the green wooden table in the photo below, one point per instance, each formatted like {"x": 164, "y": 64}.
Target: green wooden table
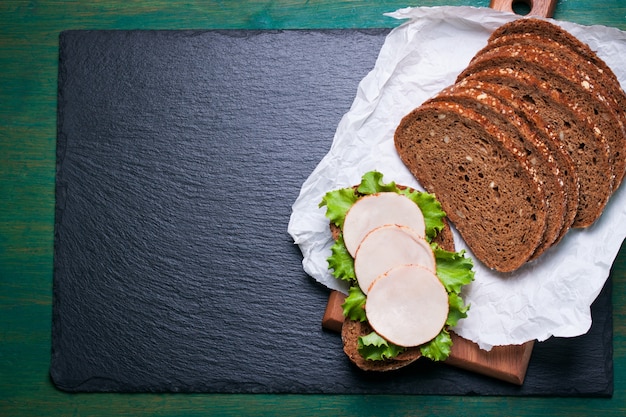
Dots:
{"x": 28, "y": 78}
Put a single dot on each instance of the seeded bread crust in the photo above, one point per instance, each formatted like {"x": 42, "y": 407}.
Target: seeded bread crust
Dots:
{"x": 548, "y": 30}
{"x": 571, "y": 126}
{"x": 562, "y": 74}
{"x": 526, "y": 143}
{"x": 569, "y": 113}
{"x": 608, "y": 85}
{"x": 488, "y": 191}
{"x": 565, "y": 166}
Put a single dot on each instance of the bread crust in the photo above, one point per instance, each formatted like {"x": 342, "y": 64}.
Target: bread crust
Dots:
{"x": 489, "y": 192}
{"x": 548, "y": 30}
{"x": 565, "y": 122}
{"x": 588, "y": 68}
{"x": 525, "y": 140}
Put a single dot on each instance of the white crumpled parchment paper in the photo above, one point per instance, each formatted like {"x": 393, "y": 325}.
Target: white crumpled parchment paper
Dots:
{"x": 549, "y": 297}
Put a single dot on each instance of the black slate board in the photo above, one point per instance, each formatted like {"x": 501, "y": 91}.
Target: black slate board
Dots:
{"x": 179, "y": 155}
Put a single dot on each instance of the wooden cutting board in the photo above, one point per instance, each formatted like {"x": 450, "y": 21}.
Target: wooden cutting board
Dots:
{"x": 540, "y": 8}
{"x": 507, "y": 363}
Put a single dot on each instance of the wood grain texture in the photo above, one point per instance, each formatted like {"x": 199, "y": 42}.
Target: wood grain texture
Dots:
{"x": 540, "y": 8}
{"x": 506, "y": 363}
{"x": 28, "y": 57}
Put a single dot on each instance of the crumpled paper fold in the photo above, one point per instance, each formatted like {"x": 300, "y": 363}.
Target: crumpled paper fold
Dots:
{"x": 548, "y": 297}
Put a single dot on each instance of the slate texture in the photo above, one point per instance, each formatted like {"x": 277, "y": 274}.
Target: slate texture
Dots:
{"x": 179, "y": 154}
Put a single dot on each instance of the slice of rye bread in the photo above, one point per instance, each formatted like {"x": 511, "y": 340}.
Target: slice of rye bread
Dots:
{"x": 610, "y": 86}
{"x": 548, "y": 31}
{"x": 567, "y": 171}
{"x": 562, "y": 74}
{"x": 556, "y": 33}
{"x": 486, "y": 189}
{"x": 351, "y": 330}
{"x": 526, "y": 142}
{"x": 566, "y": 121}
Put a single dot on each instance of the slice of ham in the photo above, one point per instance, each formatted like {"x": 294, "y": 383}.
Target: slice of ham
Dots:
{"x": 408, "y": 305}
{"x": 388, "y": 246}
{"x": 377, "y": 210}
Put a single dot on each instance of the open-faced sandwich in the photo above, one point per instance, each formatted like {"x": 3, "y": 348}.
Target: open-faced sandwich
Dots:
{"x": 394, "y": 247}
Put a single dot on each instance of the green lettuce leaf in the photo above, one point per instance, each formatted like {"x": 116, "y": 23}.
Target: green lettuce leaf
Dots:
{"x": 373, "y": 347}
{"x": 337, "y": 203}
{"x": 341, "y": 262}
{"x": 372, "y": 183}
{"x": 457, "y": 310}
{"x": 353, "y": 305}
{"x": 454, "y": 269}
{"x": 431, "y": 209}
{"x": 439, "y": 348}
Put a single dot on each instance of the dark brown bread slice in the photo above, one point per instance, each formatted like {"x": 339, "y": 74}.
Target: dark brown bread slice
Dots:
{"x": 351, "y": 330}
{"x": 485, "y": 188}
{"x": 563, "y": 74}
{"x": 554, "y": 32}
{"x": 608, "y": 84}
{"x": 566, "y": 119}
{"x": 526, "y": 142}
{"x": 567, "y": 170}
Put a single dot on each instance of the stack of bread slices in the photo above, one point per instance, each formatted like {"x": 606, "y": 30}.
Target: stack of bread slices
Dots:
{"x": 529, "y": 142}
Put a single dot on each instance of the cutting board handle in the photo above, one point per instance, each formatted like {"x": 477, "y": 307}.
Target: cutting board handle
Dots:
{"x": 541, "y": 8}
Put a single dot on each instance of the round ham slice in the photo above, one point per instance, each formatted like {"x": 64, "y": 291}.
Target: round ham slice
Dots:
{"x": 389, "y": 246}
{"x": 408, "y": 305}
{"x": 377, "y": 210}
